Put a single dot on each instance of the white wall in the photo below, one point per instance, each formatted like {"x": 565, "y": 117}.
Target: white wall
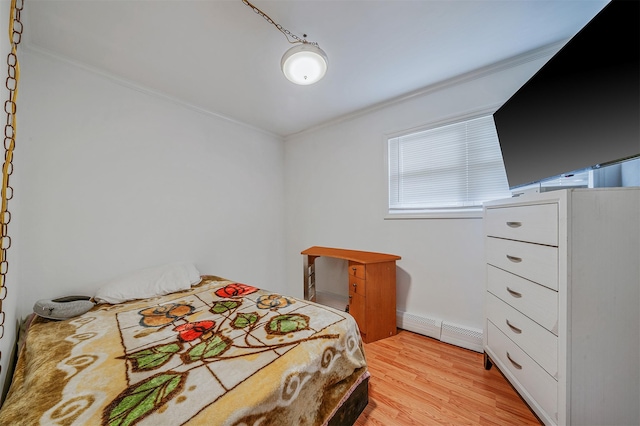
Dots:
{"x": 336, "y": 196}
{"x": 115, "y": 179}
{"x": 13, "y": 290}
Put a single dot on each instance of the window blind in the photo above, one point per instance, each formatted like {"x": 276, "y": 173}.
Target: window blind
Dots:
{"x": 456, "y": 166}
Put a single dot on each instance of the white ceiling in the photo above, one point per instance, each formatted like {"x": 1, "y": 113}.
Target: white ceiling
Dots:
{"x": 220, "y": 56}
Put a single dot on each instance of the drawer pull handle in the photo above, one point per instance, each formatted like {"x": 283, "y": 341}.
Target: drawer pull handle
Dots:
{"x": 514, "y": 259}
{"x": 354, "y": 285}
{"x": 515, "y": 364}
{"x": 514, "y": 293}
{"x": 514, "y": 224}
{"x": 515, "y": 329}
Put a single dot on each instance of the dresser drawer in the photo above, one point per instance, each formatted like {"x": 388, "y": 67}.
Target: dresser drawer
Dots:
{"x": 542, "y": 387}
{"x": 357, "y": 270}
{"x": 357, "y": 286}
{"x": 534, "y": 262}
{"x": 536, "y": 223}
{"x": 535, "y": 301}
{"x": 535, "y": 340}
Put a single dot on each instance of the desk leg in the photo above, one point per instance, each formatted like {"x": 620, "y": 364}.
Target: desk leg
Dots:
{"x": 309, "y": 272}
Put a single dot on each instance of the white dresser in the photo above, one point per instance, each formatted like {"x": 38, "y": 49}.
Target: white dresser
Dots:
{"x": 562, "y": 308}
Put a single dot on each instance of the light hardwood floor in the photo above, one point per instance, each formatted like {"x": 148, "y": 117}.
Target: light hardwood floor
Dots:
{"x": 417, "y": 380}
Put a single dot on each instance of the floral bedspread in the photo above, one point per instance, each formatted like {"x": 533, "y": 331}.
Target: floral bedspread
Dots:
{"x": 222, "y": 353}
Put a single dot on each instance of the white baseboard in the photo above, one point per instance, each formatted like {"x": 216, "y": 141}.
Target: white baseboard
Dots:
{"x": 430, "y": 327}
{"x": 464, "y": 337}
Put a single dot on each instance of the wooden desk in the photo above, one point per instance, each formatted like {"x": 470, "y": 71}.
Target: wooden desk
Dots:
{"x": 372, "y": 288}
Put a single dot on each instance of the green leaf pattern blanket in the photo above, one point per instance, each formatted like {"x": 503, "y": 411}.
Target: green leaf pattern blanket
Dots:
{"x": 222, "y": 353}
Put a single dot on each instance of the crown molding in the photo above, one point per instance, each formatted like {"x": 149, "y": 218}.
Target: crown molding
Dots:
{"x": 35, "y": 50}
{"x": 546, "y": 51}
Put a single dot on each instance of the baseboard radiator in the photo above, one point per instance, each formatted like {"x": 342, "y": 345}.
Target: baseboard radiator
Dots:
{"x": 444, "y": 331}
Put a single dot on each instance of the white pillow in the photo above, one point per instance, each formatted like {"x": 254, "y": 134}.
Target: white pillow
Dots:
{"x": 150, "y": 282}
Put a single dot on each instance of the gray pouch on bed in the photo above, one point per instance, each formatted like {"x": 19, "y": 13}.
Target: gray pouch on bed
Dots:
{"x": 63, "y": 308}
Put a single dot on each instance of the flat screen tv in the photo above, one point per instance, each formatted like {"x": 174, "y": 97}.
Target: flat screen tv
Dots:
{"x": 582, "y": 108}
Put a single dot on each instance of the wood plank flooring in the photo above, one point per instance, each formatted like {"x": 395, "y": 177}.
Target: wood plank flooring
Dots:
{"x": 417, "y": 380}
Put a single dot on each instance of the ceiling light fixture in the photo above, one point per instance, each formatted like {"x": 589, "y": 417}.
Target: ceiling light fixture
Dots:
{"x": 303, "y": 64}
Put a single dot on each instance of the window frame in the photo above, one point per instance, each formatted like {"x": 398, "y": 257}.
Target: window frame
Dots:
{"x": 475, "y": 212}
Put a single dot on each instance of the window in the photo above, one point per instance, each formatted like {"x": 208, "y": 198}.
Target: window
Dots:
{"x": 455, "y": 167}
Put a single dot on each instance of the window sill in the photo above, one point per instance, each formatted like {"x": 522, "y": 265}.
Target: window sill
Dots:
{"x": 444, "y": 214}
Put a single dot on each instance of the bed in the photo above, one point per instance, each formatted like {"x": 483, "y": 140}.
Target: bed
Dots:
{"x": 218, "y": 353}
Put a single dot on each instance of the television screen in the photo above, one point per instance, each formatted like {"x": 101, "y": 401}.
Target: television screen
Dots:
{"x": 582, "y": 108}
